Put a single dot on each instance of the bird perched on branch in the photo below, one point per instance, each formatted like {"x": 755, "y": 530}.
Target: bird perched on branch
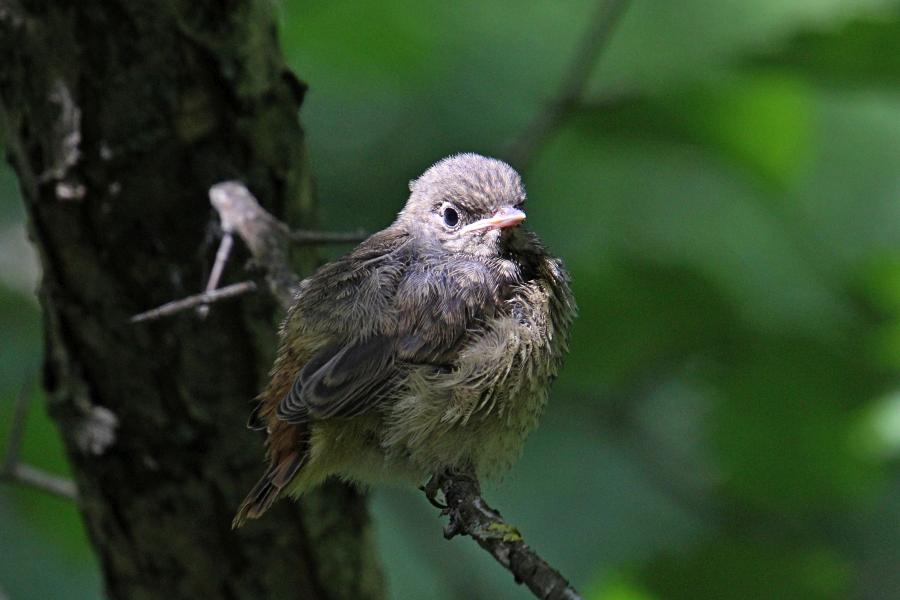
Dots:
{"x": 430, "y": 347}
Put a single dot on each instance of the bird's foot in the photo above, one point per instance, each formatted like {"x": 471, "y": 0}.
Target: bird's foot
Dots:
{"x": 432, "y": 488}
{"x": 455, "y": 526}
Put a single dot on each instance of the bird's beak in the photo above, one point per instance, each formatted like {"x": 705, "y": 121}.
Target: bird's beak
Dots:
{"x": 505, "y": 217}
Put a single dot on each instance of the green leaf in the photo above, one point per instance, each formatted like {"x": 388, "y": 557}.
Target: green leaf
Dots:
{"x": 864, "y": 53}
{"x": 762, "y": 122}
{"x": 599, "y": 201}
{"x": 664, "y": 45}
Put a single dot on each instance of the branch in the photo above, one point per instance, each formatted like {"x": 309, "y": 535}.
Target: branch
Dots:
{"x": 265, "y": 236}
{"x": 13, "y": 470}
{"x": 41, "y": 480}
{"x": 199, "y": 300}
{"x": 471, "y": 515}
{"x": 218, "y": 268}
{"x": 574, "y": 83}
{"x": 306, "y": 237}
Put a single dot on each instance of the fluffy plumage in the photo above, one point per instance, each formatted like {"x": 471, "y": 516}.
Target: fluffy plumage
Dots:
{"x": 430, "y": 346}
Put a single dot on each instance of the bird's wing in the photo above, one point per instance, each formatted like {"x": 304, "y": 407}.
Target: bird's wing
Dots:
{"x": 341, "y": 381}
{"x": 432, "y": 304}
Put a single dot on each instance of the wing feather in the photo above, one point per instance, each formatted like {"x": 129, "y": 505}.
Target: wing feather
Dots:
{"x": 341, "y": 381}
{"x": 431, "y": 304}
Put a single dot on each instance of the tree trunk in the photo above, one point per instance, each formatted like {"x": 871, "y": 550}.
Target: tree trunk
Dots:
{"x": 118, "y": 116}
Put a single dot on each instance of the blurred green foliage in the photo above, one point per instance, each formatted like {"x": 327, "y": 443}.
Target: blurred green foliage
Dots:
{"x": 728, "y": 201}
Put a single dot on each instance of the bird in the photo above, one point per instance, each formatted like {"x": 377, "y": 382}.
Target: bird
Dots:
{"x": 428, "y": 349}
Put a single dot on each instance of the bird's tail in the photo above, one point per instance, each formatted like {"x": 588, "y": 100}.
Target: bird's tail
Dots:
{"x": 269, "y": 488}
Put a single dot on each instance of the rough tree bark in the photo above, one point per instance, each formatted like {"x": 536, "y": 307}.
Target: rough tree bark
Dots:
{"x": 117, "y": 117}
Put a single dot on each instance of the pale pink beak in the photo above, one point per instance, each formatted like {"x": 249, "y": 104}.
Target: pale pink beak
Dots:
{"x": 505, "y": 217}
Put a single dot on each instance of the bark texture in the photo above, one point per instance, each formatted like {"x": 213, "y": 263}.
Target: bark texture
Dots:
{"x": 118, "y": 116}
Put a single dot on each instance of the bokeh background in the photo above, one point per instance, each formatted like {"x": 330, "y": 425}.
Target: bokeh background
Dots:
{"x": 727, "y": 197}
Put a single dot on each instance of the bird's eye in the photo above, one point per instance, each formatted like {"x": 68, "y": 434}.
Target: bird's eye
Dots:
{"x": 519, "y": 205}
{"x": 450, "y": 216}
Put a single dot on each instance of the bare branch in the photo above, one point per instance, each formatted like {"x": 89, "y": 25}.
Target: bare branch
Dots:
{"x": 41, "y": 480}
{"x": 471, "y": 515}
{"x": 206, "y": 298}
{"x": 266, "y": 237}
{"x": 13, "y": 470}
{"x": 574, "y": 83}
{"x": 306, "y": 237}
{"x": 218, "y": 267}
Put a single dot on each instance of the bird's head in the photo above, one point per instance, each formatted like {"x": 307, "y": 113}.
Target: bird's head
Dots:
{"x": 466, "y": 203}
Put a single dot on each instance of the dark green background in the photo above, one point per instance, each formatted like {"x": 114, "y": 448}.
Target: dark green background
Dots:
{"x": 728, "y": 202}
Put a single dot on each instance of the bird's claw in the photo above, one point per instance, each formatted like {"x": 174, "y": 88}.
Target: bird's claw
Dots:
{"x": 431, "y": 489}
{"x": 453, "y": 528}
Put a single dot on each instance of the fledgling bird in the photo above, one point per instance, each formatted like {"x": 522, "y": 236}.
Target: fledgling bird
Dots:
{"x": 430, "y": 347}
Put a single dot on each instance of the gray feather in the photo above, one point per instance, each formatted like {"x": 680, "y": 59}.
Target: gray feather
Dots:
{"x": 341, "y": 381}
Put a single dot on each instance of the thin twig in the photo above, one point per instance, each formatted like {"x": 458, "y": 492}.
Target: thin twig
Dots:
{"x": 15, "y": 471}
{"x": 573, "y": 85}
{"x": 218, "y": 267}
{"x": 176, "y": 306}
{"x": 307, "y": 237}
{"x": 471, "y": 515}
{"x": 265, "y": 236}
{"x": 41, "y": 480}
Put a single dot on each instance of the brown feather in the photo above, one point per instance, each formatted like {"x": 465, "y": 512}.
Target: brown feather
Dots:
{"x": 288, "y": 449}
